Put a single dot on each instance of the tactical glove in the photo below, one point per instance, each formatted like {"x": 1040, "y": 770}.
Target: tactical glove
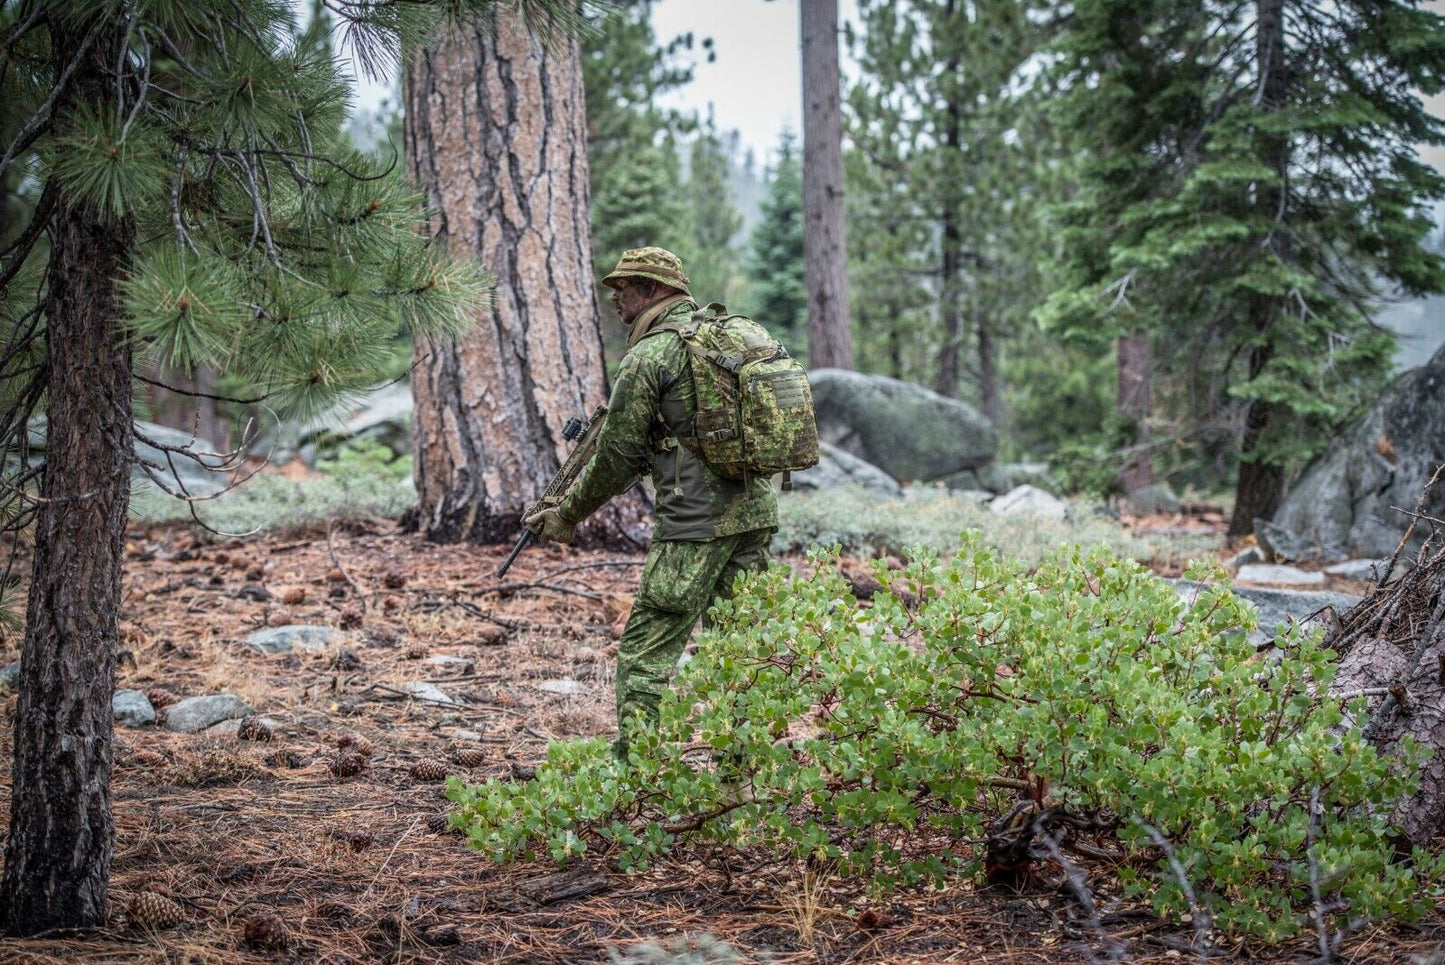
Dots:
{"x": 550, "y": 525}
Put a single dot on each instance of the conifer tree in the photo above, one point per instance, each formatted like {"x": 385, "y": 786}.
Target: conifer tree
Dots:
{"x": 1251, "y": 192}
{"x": 713, "y": 222}
{"x": 940, "y": 109}
{"x": 777, "y": 295}
{"x": 200, "y": 210}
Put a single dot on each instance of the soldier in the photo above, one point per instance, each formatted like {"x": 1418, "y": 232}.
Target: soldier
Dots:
{"x": 709, "y": 529}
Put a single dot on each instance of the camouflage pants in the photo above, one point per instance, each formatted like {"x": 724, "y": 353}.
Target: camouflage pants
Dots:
{"x": 679, "y": 582}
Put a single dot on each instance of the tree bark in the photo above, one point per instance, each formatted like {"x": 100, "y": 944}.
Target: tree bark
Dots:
{"x": 1135, "y": 371}
{"x": 950, "y": 312}
{"x": 1260, "y": 487}
{"x": 825, "y": 248}
{"x": 990, "y": 398}
{"x": 57, "y": 857}
{"x": 496, "y": 136}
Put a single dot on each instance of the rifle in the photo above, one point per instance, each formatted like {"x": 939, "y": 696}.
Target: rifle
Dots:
{"x": 571, "y": 466}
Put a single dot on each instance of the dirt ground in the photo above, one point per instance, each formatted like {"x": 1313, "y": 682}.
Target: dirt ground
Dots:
{"x": 274, "y": 858}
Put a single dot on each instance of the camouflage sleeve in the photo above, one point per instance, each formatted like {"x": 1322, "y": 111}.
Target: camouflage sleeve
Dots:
{"x": 624, "y": 446}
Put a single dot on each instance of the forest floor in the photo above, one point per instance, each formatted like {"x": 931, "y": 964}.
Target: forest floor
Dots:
{"x": 359, "y": 869}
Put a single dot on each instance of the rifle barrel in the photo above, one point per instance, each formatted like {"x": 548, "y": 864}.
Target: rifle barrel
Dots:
{"x": 526, "y": 539}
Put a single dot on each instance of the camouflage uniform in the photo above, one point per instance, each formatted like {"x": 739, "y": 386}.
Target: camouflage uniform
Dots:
{"x": 709, "y": 529}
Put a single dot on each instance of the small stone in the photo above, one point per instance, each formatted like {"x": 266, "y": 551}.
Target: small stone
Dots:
{"x": 308, "y": 639}
{"x": 197, "y": 713}
{"x": 451, "y": 663}
{"x": 1357, "y": 569}
{"x": 1265, "y": 574}
{"x": 254, "y": 591}
{"x": 1246, "y": 556}
{"x": 426, "y": 693}
{"x": 131, "y": 708}
{"x": 564, "y": 686}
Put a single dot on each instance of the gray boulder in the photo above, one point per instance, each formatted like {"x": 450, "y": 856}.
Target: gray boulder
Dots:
{"x": 287, "y": 639}
{"x": 1357, "y": 569}
{"x": 1281, "y": 544}
{"x": 1348, "y": 496}
{"x": 383, "y": 415}
{"x": 1150, "y": 500}
{"x": 1030, "y": 501}
{"x": 1274, "y": 574}
{"x": 192, "y": 471}
{"x": 906, "y": 430}
{"x": 837, "y": 469}
{"x": 197, "y": 713}
{"x": 131, "y": 708}
{"x": 1276, "y": 607}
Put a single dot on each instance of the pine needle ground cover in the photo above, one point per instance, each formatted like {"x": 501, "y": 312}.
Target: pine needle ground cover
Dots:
{"x": 359, "y": 868}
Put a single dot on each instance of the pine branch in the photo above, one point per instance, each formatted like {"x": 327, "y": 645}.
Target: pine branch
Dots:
{"x": 21, "y": 247}
{"x": 39, "y": 122}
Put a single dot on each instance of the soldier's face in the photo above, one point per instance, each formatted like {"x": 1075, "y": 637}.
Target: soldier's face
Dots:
{"x": 630, "y": 298}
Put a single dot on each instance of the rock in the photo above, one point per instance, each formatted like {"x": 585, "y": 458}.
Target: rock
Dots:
{"x": 1153, "y": 500}
{"x": 451, "y": 663}
{"x": 1029, "y": 501}
{"x": 906, "y": 430}
{"x": 1268, "y": 574}
{"x": 1281, "y": 545}
{"x": 383, "y": 415}
{"x": 426, "y": 693}
{"x": 1000, "y": 477}
{"x": 10, "y": 675}
{"x": 226, "y": 728}
{"x": 1347, "y": 496}
{"x": 1250, "y": 554}
{"x": 132, "y": 709}
{"x": 1276, "y": 607}
{"x": 197, "y": 713}
{"x": 1357, "y": 569}
{"x": 192, "y": 472}
{"x": 307, "y": 639}
{"x": 838, "y": 469}
{"x": 564, "y": 686}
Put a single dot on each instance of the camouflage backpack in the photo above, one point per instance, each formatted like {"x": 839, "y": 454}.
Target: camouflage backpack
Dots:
{"x": 754, "y": 405}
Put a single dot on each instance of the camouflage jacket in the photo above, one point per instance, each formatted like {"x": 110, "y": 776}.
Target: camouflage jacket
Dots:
{"x": 652, "y": 406}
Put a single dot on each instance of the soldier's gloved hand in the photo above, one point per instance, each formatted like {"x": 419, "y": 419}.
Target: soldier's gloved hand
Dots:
{"x": 550, "y": 525}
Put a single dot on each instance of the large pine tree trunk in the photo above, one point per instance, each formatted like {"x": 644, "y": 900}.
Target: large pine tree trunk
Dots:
{"x": 825, "y": 248}
{"x": 950, "y": 279}
{"x": 496, "y": 136}
{"x": 57, "y": 857}
{"x": 1135, "y": 370}
{"x": 1260, "y": 487}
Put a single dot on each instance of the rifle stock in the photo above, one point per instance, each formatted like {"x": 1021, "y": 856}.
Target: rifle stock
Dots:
{"x": 562, "y": 479}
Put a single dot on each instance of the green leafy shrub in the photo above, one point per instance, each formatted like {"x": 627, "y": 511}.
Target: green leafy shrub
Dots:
{"x": 885, "y": 740}
{"x": 364, "y": 460}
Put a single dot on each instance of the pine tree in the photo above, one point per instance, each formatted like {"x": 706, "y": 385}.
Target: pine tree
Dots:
{"x": 713, "y": 222}
{"x": 201, "y": 210}
{"x": 825, "y": 245}
{"x": 777, "y": 296}
{"x": 937, "y": 118}
{"x": 1251, "y": 194}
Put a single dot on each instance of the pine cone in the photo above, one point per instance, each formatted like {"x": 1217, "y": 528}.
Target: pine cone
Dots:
{"x": 253, "y": 728}
{"x": 267, "y": 931}
{"x": 394, "y": 579}
{"x": 360, "y": 840}
{"x": 161, "y": 697}
{"x": 356, "y": 743}
{"x": 351, "y": 619}
{"x": 429, "y": 769}
{"x": 147, "y": 758}
{"x": 348, "y": 764}
{"x": 293, "y": 595}
{"x": 153, "y": 912}
{"x": 469, "y": 756}
{"x": 440, "y": 824}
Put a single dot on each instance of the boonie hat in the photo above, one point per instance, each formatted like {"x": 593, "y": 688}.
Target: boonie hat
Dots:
{"x": 657, "y": 264}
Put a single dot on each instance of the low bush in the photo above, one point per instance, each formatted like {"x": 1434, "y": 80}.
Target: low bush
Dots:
{"x": 893, "y": 740}
{"x": 860, "y": 524}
